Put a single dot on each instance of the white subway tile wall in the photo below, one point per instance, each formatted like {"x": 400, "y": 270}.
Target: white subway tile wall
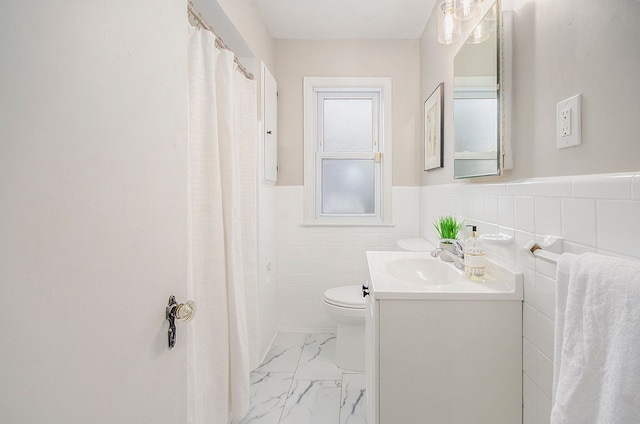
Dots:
{"x": 548, "y": 216}
{"x": 579, "y": 221}
{"x": 312, "y": 259}
{"x": 614, "y": 186}
{"x": 617, "y": 219}
{"x": 594, "y": 213}
{"x": 267, "y": 315}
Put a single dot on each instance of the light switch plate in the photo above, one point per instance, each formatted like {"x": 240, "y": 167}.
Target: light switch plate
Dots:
{"x": 569, "y": 122}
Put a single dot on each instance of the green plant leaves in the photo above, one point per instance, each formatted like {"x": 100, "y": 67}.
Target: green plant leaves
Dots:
{"x": 447, "y": 226}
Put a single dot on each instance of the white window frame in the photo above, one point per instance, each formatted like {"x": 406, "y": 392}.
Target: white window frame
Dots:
{"x": 313, "y": 89}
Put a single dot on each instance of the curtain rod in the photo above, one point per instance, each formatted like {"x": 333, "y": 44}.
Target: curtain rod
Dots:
{"x": 219, "y": 42}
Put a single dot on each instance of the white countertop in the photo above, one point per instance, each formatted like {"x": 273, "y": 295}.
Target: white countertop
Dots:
{"x": 500, "y": 283}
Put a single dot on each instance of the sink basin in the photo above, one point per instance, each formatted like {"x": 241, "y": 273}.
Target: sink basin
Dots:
{"x": 423, "y": 271}
{"x": 416, "y": 275}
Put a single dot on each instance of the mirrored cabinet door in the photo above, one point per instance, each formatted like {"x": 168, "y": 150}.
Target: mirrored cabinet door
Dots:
{"x": 477, "y": 100}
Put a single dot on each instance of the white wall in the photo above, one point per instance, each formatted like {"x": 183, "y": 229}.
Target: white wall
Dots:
{"x": 92, "y": 210}
{"x": 398, "y": 59}
{"x": 561, "y": 48}
{"x": 592, "y": 213}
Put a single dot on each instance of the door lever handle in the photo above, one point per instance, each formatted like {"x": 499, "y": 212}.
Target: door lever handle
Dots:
{"x": 182, "y": 311}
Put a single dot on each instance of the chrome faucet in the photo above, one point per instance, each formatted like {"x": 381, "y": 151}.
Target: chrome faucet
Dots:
{"x": 457, "y": 257}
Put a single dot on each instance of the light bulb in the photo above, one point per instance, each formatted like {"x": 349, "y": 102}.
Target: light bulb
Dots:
{"x": 467, "y": 9}
{"x": 448, "y": 25}
{"x": 478, "y": 35}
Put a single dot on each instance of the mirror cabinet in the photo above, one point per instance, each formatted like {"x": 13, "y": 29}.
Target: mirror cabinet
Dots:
{"x": 481, "y": 99}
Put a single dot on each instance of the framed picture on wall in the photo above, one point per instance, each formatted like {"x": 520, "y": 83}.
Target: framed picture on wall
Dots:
{"x": 433, "y": 129}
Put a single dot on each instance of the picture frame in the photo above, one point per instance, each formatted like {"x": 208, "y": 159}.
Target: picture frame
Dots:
{"x": 434, "y": 129}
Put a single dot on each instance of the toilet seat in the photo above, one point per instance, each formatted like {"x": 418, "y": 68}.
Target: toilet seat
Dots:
{"x": 345, "y": 297}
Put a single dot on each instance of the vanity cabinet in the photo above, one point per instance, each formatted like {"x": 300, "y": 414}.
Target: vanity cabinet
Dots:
{"x": 444, "y": 361}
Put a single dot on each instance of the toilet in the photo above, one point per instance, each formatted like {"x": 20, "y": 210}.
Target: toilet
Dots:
{"x": 346, "y": 306}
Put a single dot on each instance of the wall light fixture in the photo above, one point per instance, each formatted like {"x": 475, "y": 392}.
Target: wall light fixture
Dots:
{"x": 449, "y": 26}
{"x": 451, "y": 16}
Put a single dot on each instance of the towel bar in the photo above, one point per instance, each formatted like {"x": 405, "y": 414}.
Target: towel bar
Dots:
{"x": 536, "y": 251}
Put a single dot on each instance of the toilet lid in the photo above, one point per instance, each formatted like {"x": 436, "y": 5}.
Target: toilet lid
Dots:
{"x": 414, "y": 245}
{"x": 346, "y": 297}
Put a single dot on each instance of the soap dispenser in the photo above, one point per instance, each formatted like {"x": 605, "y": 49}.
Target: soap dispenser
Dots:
{"x": 474, "y": 262}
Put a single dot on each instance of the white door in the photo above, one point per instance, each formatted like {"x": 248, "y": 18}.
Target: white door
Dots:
{"x": 93, "y": 189}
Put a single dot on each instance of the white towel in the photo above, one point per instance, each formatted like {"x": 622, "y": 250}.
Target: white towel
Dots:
{"x": 562, "y": 289}
{"x": 597, "y": 364}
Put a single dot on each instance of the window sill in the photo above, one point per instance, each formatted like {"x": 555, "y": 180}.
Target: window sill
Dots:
{"x": 347, "y": 224}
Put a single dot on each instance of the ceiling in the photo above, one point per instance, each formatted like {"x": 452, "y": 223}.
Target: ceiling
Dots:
{"x": 345, "y": 19}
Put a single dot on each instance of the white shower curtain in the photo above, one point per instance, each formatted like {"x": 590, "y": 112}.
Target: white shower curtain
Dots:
{"x": 222, "y": 232}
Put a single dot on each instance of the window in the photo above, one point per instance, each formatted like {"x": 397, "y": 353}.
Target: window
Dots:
{"x": 347, "y": 148}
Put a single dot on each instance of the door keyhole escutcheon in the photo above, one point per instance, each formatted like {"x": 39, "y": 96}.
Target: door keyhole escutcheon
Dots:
{"x": 182, "y": 311}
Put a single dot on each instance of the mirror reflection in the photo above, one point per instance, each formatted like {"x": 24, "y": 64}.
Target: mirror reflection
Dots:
{"x": 476, "y": 102}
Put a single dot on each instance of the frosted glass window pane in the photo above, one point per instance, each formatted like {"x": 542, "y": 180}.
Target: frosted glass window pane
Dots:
{"x": 348, "y": 186}
{"x": 348, "y": 125}
{"x": 476, "y": 125}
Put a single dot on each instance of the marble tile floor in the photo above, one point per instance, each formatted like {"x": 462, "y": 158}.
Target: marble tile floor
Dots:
{"x": 298, "y": 383}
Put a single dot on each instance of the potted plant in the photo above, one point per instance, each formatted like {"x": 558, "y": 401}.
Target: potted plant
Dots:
{"x": 447, "y": 227}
